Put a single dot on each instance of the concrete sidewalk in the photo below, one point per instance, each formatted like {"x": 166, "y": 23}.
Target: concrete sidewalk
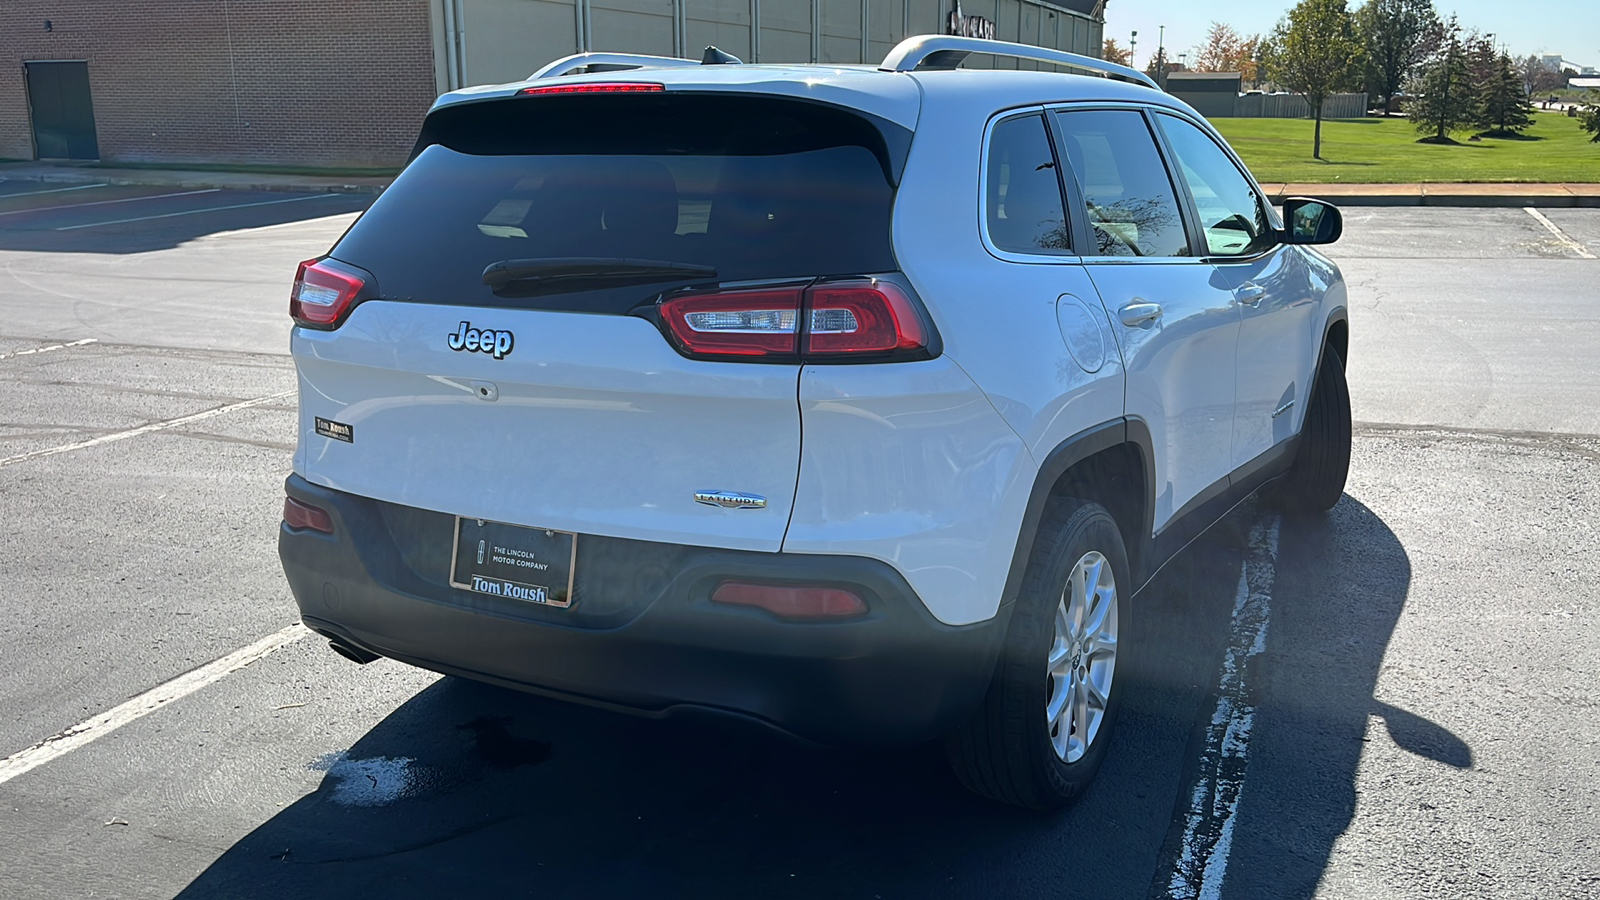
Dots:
{"x": 59, "y": 173}
{"x": 1545, "y": 195}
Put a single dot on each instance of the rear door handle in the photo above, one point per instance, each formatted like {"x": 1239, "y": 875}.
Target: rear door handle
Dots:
{"x": 1250, "y": 294}
{"x": 1138, "y": 313}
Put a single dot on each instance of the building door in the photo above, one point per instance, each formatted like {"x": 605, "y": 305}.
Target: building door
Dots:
{"x": 63, "y": 116}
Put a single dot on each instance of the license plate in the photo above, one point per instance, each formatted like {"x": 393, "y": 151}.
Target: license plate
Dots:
{"x": 532, "y": 565}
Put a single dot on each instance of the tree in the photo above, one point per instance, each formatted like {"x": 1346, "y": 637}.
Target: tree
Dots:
{"x": 1503, "y": 109}
{"x": 1392, "y": 36}
{"x": 1314, "y": 52}
{"x": 1589, "y": 120}
{"x": 1443, "y": 89}
{"x": 1224, "y": 50}
{"x": 1113, "y": 52}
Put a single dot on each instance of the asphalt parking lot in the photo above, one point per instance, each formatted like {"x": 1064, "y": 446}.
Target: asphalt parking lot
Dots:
{"x": 1394, "y": 700}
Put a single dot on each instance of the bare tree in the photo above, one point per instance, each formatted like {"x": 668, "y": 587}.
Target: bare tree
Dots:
{"x": 1314, "y": 52}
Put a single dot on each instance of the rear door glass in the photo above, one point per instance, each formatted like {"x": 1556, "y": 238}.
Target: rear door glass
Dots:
{"x": 757, "y": 188}
{"x": 1023, "y": 207}
{"x": 1131, "y": 204}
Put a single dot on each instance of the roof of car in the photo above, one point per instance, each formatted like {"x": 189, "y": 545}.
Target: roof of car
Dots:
{"x": 895, "y": 96}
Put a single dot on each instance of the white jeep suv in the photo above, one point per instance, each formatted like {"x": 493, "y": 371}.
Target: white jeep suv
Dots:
{"x": 857, "y": 402}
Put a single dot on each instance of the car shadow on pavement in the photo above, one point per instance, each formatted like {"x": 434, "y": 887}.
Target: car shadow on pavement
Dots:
{"x": 471, "y": 790}
{"x": 1341, "y": 587}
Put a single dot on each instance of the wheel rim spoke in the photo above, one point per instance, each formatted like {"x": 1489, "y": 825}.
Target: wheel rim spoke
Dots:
{"x": 1081, "y": 659}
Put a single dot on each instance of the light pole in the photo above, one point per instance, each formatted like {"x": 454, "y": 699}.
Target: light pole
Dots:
{"x": 1161, "y": 57}
{"x": 1133, "y": 47}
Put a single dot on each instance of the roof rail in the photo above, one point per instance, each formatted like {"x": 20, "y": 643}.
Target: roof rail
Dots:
{"x": 939, "y": 51}
{"x": 611, "y": 61}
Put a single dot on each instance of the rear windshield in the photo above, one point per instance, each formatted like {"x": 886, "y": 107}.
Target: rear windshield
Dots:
{"x": 755, "y": 187}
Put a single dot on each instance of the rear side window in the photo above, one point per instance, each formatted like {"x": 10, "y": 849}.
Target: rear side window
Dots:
{"x": 1023, "y": 205}
{"x": 756, "y": 188}
{"x": 1133, "y": 210}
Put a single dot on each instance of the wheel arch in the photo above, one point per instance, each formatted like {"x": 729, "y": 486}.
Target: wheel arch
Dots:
{"x": 1109, "y": 464}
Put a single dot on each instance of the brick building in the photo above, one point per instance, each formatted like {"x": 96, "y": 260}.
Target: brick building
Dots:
{"x": 294, "y": 82}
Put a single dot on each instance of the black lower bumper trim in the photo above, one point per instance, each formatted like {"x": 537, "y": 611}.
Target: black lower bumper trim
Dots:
{"x": 894, "y": 674}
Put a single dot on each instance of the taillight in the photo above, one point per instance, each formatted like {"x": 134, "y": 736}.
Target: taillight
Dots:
{"x": 791, "y": 601}
{"x": 607, "y": 87}
{"x": 838, "y": 320}
{"x": 299, "y": 515}
{"x": 862, "y": 317}
{"x": 736, "y": 323}
{"x": 322, "y": 294}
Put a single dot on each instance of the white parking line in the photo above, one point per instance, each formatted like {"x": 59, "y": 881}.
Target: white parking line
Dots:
{"x": 49, "y": 348}
{"x": 76, "y": 187}
{"x": 190, "y": 212}
{"x": 1208, "y": 827}
{"x": 142, "y": 429}
{"x": 1561, "y": 236}
{"x": 18, "y": 212}
{"x": 148, "y": 702}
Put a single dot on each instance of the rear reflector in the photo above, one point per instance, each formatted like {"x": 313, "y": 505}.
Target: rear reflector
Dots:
{"x": 322, "y": 294}
{"x": 595, "y": 88}
{"x": 841, "y": 319}
{"x": 791, "y": 601}
{"x": 299, "y": 515}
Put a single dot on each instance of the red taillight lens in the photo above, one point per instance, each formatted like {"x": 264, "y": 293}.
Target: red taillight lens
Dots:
{"x": 791, "y": 601}
{"x": 736, "y": 323}
{"x": 862, "y": 317}
{"x": 303, "y": 515}
{"x": 838, "y": 319}
{"x": 322, "y": 294}
{"x": 609, "y": 87}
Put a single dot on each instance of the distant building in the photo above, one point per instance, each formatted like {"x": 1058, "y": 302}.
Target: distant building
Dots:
{"x": 1551, "y": 62}
{"x": 295, "y": 82}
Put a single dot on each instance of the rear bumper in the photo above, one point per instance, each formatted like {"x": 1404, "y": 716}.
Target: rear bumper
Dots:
{"x": 642, "y": 635}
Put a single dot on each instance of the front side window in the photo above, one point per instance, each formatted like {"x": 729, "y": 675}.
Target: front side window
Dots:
{"x": 1023, "y": 203}
{"x": 1132, "y": 207}
{"x": 1232, "y": 215}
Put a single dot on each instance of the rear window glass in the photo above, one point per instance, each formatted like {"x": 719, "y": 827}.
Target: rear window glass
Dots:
{"x": 756, "y": 188}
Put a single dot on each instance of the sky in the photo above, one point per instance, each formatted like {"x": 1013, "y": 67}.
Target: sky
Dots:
{"x": 1568, "y": 27}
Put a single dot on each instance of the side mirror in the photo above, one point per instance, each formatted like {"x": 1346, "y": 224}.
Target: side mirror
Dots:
{"x": 1308, "y": 221}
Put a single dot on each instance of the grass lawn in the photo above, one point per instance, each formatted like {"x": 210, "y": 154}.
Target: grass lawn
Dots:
{"x": 1385, "y": 151}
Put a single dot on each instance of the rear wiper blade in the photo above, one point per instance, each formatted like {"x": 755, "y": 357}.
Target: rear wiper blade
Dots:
{"x": 533, "y": 277}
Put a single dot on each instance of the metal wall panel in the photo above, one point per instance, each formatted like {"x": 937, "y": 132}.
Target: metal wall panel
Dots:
{"x": 841, "y": 31}
{"x": 633, "y": 26}
{"x": 504, "y": 40}
{"x": 724, "y": 24}
{"x": 507, "y": 40}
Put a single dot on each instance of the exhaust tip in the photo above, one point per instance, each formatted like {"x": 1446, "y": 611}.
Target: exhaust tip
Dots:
{"x": 355, "y": 654}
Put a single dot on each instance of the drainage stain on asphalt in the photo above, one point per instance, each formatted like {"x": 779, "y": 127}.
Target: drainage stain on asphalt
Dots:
{"x": 499, "y": 748}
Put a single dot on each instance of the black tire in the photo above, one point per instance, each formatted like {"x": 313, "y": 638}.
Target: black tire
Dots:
{"x": 1005, "y": 751}
{"x": 1315, "y": 481}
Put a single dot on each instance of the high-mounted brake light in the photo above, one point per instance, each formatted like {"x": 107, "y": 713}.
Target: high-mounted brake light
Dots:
{"x": 322, "y": 294}
{"x": 607, "y": 87}
{"x": 833, "y": 320}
